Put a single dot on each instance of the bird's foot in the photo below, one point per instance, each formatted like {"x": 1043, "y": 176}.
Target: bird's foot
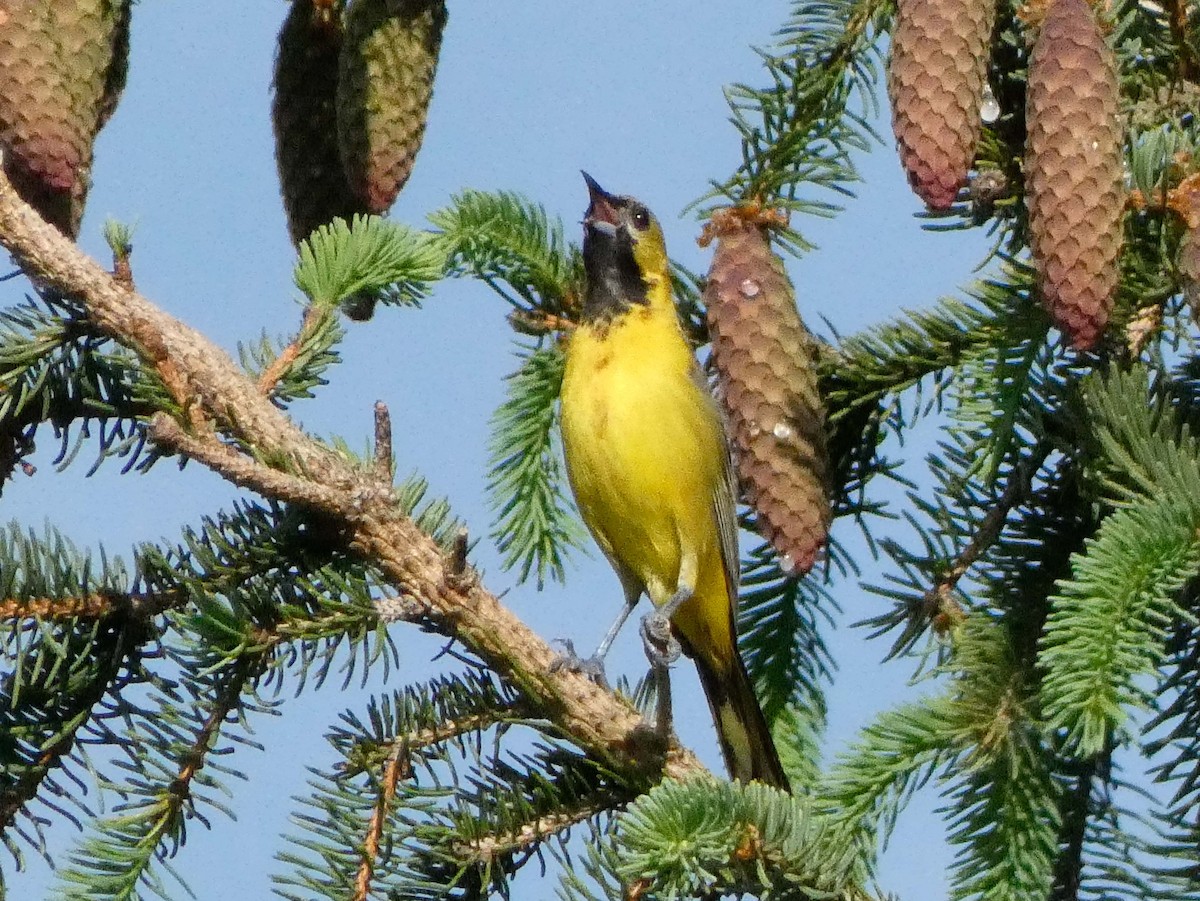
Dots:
{"x": 569, "y": 661}
{"x": 662, "y": 647}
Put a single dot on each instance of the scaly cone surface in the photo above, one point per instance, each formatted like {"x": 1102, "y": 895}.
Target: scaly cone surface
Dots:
{"x": 936, "y": 76}
{"x": 62, "y": 68}
{"x": 304, "y": 115}
{"x": 385, "y": 81}
{"x": 1074, "y": 183}
{"x": 1189, "y": 267}
{"x": 767, "y": 385}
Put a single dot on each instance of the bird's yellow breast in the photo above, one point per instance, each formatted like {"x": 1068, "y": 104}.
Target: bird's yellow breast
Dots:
{"x": 644, "y": 447}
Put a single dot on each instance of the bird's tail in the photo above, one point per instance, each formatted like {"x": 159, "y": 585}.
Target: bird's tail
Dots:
{"x": 742, "y": 729}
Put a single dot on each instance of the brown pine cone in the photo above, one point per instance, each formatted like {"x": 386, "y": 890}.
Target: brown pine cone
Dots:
{"x": 62, "y": 67}
{"x": 936, "y": 76}
{"x": 385, "y": 81}
{"x": 304, "y": 114}
{"x": 1189, "y": 268}
{"x": 1074, "y": 183}
{"x": 118, "y": 66}
{"x": 767, "y": 384}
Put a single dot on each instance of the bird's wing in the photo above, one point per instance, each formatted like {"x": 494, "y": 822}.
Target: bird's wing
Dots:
{"x": 724, "y": 505}
{"x": 725, "y": 493}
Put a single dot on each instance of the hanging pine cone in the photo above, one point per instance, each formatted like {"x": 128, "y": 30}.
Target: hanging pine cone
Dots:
{"x": 118, "y": 67}
{"x": 767, "y": 384}
{"x": 1074, "y": 185}
{"x": 385, "y": 80}
{"x": 304, "y": 115}
{"x": 936, "y": 78}
{"x": 1189, "y": 267}
{"x": 62, "y": 68}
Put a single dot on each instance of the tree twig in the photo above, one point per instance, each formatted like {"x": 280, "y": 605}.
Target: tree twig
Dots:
{"x": 393, "y": 770}
{"x": 384, "y": 459}
{"x": 1189, "y": 64}
{"x": 314, "y": 316}
{"x": 95, "y": 605}
{"x": 940, "y": 604}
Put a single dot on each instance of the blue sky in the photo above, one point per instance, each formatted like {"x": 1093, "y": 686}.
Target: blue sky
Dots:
{"x": 528, "y": 93}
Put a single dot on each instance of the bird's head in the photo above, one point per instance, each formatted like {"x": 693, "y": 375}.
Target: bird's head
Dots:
{"x": 623, "y": 252}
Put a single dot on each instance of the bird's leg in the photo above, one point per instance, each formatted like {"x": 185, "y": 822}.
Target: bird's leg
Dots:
{"x": 662, "y": 706}
{"x": 611, "y": 635}
{"x": 593, "y": 667}
{"x": 661, "y": 645}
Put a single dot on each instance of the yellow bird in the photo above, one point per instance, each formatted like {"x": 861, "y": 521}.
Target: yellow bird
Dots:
{"x": 648, "y": 463}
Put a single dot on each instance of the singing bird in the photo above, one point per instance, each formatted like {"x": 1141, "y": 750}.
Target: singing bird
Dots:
{"x": 647, "y": 460}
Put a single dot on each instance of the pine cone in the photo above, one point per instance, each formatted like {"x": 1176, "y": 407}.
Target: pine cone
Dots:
{"x": 118, "y": 66}
{"x": 304, "y": 115}
{"x": 62, "y": 67}
{"x": 936, "y": 77}
{"x": 1074, "y": 183}
{"x": 385, "y": 80}
{"x": 1189, "y": 267}
{"x": 767, "y": 384}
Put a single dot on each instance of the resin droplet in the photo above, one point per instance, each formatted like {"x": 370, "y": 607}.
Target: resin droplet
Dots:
{"x": 989, "y": 110}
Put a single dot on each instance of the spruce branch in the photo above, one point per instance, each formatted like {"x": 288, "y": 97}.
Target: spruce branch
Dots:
{"x": 868, "y": 785}
{"x": 444, "y": 711}
{"x": 281, "y": 580}
{"x": 240, "y": 469}
{"x": 1174, "y": 739}
{"x": 92, "y": 606}
{"x": 369, "y": 254}
{"x": 57, "y": 371}
{"x": 514, "y": 805}
{"x": 535, "y": 524}
{"x": 799, "y": 130}
{"x": 981, "y": 740}
{"x": 49, "y": 708}
{"x": 705, "y": 838}
{"x": 393, "y": 770}
{"x": 1184, "y": 35}
{"x": 295, "y": 370}
{"x": 488, "y": 849}
{"x": 504, "y": 239}
{"x": 1144, "y": 446}
{"x": 891, "y": 358}
{"x": 1077, "y": 811}
{"x": 119, "y": 237}
{"x": 1006, "y": 820}
{"x": 939, "y": 599}
{"x": 781, "y": 626}
{"x": 1109, "y": 622}
{"x": 314, "y": 318}
{"x": 203, "y": 379}
{"x": 151, "y": 827}
{"x": 498, "y": 808}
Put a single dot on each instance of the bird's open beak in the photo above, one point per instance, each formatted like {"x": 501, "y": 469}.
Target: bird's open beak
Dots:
{"x": 603, "y": 209}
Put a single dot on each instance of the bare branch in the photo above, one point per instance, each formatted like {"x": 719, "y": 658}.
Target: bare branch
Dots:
{"x": 384, "y": 459}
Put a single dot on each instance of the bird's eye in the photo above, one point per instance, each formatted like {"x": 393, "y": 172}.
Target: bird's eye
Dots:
{"x": 641, "y": 218}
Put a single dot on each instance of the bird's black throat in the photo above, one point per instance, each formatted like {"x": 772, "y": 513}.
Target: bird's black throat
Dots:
{"x": 614, "y": 281}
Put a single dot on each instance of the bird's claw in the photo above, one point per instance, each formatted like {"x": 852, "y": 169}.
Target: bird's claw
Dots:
{"x": 570, "y": 662}
{"x": 662, "y": 647}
